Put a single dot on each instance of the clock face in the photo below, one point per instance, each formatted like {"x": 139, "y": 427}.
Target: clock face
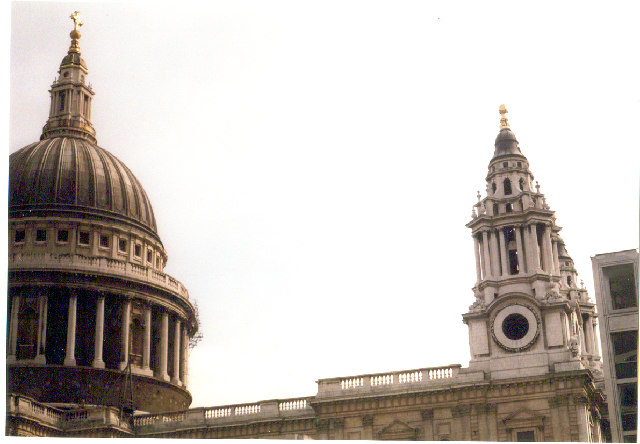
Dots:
{"x": 515, "y": 327}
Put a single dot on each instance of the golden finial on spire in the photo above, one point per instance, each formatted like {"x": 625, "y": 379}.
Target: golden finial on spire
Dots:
{"x": 504, "y": 122}
{"x": 75, "y": 34}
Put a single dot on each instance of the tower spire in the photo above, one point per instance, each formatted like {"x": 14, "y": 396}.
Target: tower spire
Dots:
{"x": 75, "y": 34}
{"x": 71, "y": 95}
{"x": 504, "y": 122}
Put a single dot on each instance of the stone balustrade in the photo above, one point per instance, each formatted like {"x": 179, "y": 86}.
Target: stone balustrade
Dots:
{"x": 224, "y": 415}
{"x": 93, "y": 417}
{"x": 397, "y": 380}
{"x": 74, "y": 262}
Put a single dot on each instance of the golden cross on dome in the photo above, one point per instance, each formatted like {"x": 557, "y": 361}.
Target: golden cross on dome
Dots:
{"x": 504, "y": 122}
{"x": 76, "y": 20}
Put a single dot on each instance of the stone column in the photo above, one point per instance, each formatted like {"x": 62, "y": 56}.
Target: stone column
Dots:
{"x": 367, "y": 424}
{"x": 594, "y": 324}
{"x": 481, "y": 414}
{"x": 322, "y": 429}
{"x": 42, "y": 329}
{"x": 175, "y": 379}
{"x": 495, "y": 262}
{"x": 521, "y": 260}
{"x": 535, "y": 250}
{"x": 486, "y": 256}
{"x": 581, "y": 414}
{"x": 492, "y": 422}
{"x": 588, "y": 330}
{"x": 503, "y": 253}
{"x": 476, "y": 250}
{"x": 70, "y": 358}
{"x": 13, "y": 329}
{"x": 184, "y": 368}
{"x": 146, "y": 348}
{"x": 556, "y": 259}
{"x": 338, "y": 428}
{"x": 164, "y": 346}
{"x": 125, "y": 329}
{"x": 547, "y": 254}
{"x": 427, "y": 418}
{"x": 99, "y": 334}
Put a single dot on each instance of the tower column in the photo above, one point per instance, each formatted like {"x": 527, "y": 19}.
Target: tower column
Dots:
{"x": 99, "y": 335}
{"x": 521, "y": 259}
{"x": 495, "y": 263}
{"x": 164, "y": 346}
{"x": 535, "y": 250}
{"x": 594, "y": 324}
{"x": 486, "y": 256}
{"x": 42, "y": 329}
{"x": 176, "y": 353}
{"x": 146, "y": 349}
{"x": 503, "y": 253}
{"x": 476, "y": 250}
{"x": 184, "y": 368}
{"x": 13, "y": 329}
{"x": 588, "y": 329}
{"x": 547, "y": 254}
{"x": 70, "y": 358}
{"x": 556, "y": 260}
{"x": 124, "y": 334}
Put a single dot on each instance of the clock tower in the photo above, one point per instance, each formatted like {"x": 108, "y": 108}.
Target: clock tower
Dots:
{"x": 529, "y": 317}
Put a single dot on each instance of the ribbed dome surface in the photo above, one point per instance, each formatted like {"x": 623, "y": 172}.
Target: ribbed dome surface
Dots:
{"x": 73, "y": 58}
{"x": 70, "y": 176}
{"x": 506, "y": 143}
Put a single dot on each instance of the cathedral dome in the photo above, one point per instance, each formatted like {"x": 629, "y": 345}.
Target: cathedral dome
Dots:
{"x": 506, "y": 143}
{"x": 67, "y": 176}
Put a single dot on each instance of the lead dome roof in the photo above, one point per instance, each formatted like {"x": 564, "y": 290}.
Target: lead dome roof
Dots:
{"x": 71, "y": 177}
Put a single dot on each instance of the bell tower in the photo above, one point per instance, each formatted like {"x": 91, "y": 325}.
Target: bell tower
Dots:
{"x": 71, "y": 95}
{"x": 529, "y": 316}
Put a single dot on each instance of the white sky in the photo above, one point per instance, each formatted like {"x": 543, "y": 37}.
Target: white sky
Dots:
{"x": 312, "y": 164}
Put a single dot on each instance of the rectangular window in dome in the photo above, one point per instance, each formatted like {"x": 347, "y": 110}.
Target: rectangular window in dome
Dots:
{"x": 122, "y": 245}
{"x": 104, "y": 241}
{"x": 137, "y": 250}
{"x": 41, "y": 235}
{"x": 63, "y": 235}
{"x": 83, "y": 237}
{"x": 150, "y": 256}
{"x": 19, "y": 237}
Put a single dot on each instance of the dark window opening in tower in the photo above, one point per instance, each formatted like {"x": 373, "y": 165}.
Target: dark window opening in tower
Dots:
{"x": 569, "y": 281}
{"x": 507, "y": 187}
{"x": 150, "y": 257}
{"x": 104, "y": 241}
{"x": 510, "y": 234}
{"x": 137, "y": 250}
{"x": 515, "y": 326}
{"x": 505, "y": 164}
{"x": 41, "y": 235}
{"x": 85, "y": 328}
{"x": 509, "y": 208}
{"x": 495, "y": 209}
{"x": 57, "y": 310}
{"x": 521, "y": 183}
{"x": 27, "y": 328}
{"x": 19, "y": 236}
{"x": 83, "y": 237}
{"x": 63, "y": 236}
{"x": 62, "y": 97}
{"x": 493, "y": 187}
{"x": 122, "y": 245}
{"x": 85, "y": 109}
{"x": 513, "y": 262}
{"x": 136, "y": 339}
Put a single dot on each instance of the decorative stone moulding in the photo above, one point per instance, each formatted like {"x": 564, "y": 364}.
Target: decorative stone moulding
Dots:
{"x": 525, "y": 317}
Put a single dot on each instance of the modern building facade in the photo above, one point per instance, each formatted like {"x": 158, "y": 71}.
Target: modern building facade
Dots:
{"x": 98, "y": 333}
{"x": 616, "y": 285}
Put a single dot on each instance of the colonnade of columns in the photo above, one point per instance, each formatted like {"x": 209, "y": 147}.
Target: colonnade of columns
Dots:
{"x": 492, "y": 251}
{"x": 180, "y": 340}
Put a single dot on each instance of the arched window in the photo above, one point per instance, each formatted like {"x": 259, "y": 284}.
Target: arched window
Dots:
{"x": 569, "y": 281}
{"x": 62, "y": 96}
{"x": 493, "y": 187}
{"x": 521, "y": 183}
{"x": 507, "y": 186}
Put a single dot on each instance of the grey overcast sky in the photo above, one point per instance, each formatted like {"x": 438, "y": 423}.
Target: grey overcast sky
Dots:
{"x": 312, "y": 164}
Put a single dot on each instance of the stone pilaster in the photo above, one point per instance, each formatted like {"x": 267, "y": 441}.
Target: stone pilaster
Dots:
{"x": 175, "y": 378}
{"x": 146, "y": 347}
{"x": 503, "y": 253}
{"x": 99, "y": 333}
{"x": 476, "y": 251}
{"x": 322, "y": 429}
{"x": 522, "y": 266}
{"x": 427, "y": 419}
{"x": 338, "y": 428}
{"x": 367, "y": 424}
{"x": 580, "y": 404}
{"x": 164, "y": 346}
{"x": 125, "y": 330}
{"x": 70, "y": 358}
{"x": 41, "y": 345}
{"x": 13, "y": 329}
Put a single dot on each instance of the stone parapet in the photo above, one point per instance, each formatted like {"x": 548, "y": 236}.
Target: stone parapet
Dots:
{"x": 396, "y": 381}
{"x": 101, "y": 265}
{"x": 228, "y": 415}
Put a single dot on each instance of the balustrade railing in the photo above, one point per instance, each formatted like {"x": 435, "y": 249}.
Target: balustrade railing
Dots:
{"x": 263, "y": 410}
{"x": 380, "y": 381}
{"x": 64, "y": 261}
